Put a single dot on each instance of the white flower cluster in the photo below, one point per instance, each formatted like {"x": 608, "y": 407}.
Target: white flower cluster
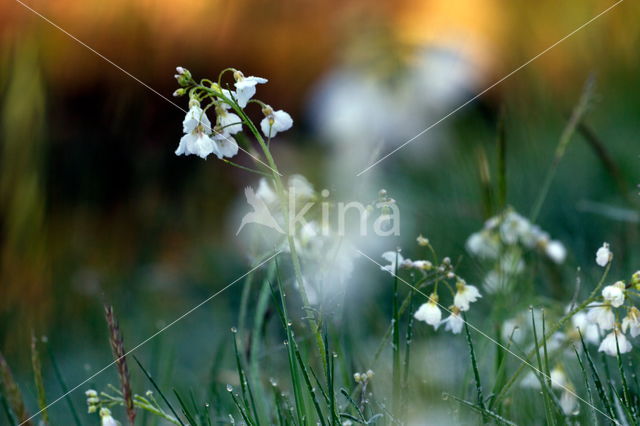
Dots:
{"x": 201, "y": 138}
{"x": 363, "y": 377}
{"x": 94, "y": 405}
{"x": 430, "y": 311}
{"x": 605, "y": 313}
{"x": 504, "y": 239}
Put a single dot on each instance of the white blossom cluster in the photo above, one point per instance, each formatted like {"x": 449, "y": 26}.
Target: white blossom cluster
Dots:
{"x": 605, "y": 322}
{"x": 203, "y": 138}
{"x": 94, "y": 405}
{"x": 430, "y": 312}
{"x": 504, "y": 239}
{"x": 614, "y": 313}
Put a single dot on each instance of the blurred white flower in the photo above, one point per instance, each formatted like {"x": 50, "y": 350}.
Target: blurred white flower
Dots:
{"x": 556, "y": 251}
{"x": 601, "y": 314}
{"x": 614, "y": 294}
{"x": 265, "y": 192}
{"x": 422, "y": 264}
{"x": 196, "y": 140}
{"x": 301, "y": 187}
{"x": 454, "y": 321}
{"x": 589, "y": 331}
{"x": 465, "y": 294}
{"x": 603, "y": 255}
{"x": 106, "y": 419}
{"x": 632, "y": 322}
{"x": 274, "y": 121}
{"x": 557, "y": 376}
{"x": 569, "y": 402}
{"x": 482, "y": 244}
{"x": 513, "y": 226}
{"x": 430, "y": 312}
{"x": 609, "y": 347}
{"x": 391, "y": 257}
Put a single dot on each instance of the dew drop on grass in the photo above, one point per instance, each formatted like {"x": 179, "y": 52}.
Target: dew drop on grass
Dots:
{"x": 289, "y": 323}
{"x": 273, "y": 382}
{"x": 445, "y": 396}
{"x": 229, "y": 388}
{"x": 234, "y": 330}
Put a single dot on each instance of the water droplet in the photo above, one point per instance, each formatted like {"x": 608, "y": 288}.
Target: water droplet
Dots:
{"x": 207, "y": 405}
{"x": 445, "y": 396}
{"x": 234, "y": 330}
{"x": 229, "y": 388}
{"x": 286, "y": 342}
{"x": 289, "y": 323}
{"x": 273, "y": 382}
{"x": 335, "y": 355}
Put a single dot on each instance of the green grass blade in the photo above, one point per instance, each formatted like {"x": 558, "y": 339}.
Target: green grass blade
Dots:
{"x": 63, "y": 386}
{"x": 7, "y": 410}
{"x": 185, "y": 410}
{"x": 594, "y": 414}
{"x": 474, "y": 365}
{"x": 157, "y": 388}
{"x": 395, "y": 345}
{"x": 544, "y": 381}
{"x": 596, "y": 380}
{"x": 483, "y": 411}
{"x": 245, "y": 386}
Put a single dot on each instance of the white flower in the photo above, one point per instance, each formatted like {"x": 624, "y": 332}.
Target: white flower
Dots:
{"x": 228, "y": 122}
{"x": 106, "y": 418}
{"x": 422, "y": 264}
{"x": 225, "y": 144}
{"x": 265, "y": 192}
{"x": 601, "y": 314}
{"x": 603, "y": 255}
{"x": 196, "y": 140}
{"x": 454, "y": 321}
{"x": 569, "y": 401}
{"x": 556, "y": 251}
{"x": 632, "y": 322}
{"x": 465, "y": 294}
{"x": 246, "y": 87}
{"x": 482, "y": 244}
{"x": 300, "y": 187}
{"x": 495, "y": 282}
{"x": 513, "y": 227}
{"x": 588, "y": 330}
{"x": 558, "y": 378}
{"x": 430, "y": 312}
{"x": 391, "y": 256}
{"x": 614, "y": 294}
{"x": 275, "y": 122}
{"x": 609, "y": 347}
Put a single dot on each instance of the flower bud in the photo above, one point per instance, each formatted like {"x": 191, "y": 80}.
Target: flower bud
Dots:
{"x": 184, "y": 76}
{"x": 179, "y": 92}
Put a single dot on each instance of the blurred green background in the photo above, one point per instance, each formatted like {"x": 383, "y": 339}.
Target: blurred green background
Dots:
{"x": 95, "y": 207}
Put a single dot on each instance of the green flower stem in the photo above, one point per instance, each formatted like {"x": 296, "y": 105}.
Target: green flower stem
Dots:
{"x": 277, "y": 178}
{"x": 592, "y": 297}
